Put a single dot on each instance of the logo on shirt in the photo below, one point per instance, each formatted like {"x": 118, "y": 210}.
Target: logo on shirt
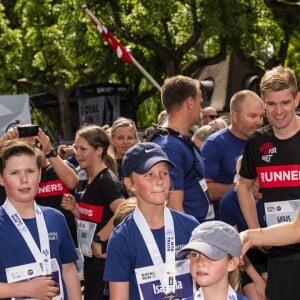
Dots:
{"x": 267, "y": 150}
{"x": 278, "y": 176}
{"x": 53, "y": 236}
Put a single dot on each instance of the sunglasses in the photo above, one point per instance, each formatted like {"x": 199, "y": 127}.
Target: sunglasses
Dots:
{"x": 212, "y": 117}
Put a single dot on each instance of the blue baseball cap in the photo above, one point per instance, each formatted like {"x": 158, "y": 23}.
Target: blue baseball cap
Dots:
{"x": 142, "y": 157}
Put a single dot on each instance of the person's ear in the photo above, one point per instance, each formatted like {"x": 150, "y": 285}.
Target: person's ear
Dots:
{"x": 99, "y": 151}
{"x": 128, "y": 181}
{"x": 190, "y": 103}
{"x": 233, "y": 264}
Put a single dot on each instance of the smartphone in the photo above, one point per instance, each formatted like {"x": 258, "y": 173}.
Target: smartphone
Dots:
{"x": 28, "y": 130}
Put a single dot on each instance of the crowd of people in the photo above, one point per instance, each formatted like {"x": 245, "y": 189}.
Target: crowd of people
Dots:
{"x": 191, "y": 211}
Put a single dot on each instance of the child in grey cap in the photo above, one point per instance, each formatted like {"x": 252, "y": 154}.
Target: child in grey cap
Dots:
{"x": 214, "y": 250}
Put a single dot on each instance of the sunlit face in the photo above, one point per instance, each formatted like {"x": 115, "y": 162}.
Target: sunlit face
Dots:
{"x": 123, "y": 138}
{"x": 210, "y": 273}
{"x": 249, "y": 118}
{"x": 153, "y": 186}
{"x": 21, "y": 177}
{"x": 86, "y": 155}
{"x": 280, "y": 108}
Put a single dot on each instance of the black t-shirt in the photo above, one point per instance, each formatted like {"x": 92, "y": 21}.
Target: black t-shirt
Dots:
{"x": 276, "y": 164}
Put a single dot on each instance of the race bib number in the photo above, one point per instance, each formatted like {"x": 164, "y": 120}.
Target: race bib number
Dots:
{"x": 150, "y": 287}
{"x": 29, "y": 271}
{"x": 85, "y": 234}
{"x": 281, "y": 211}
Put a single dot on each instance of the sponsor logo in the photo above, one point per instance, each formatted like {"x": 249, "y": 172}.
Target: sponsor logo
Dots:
{"x": 267, "y": 150}
{"x": 86, "y": 212}
{"x": 53, "y": 236}
{"x": 52, "y": 188}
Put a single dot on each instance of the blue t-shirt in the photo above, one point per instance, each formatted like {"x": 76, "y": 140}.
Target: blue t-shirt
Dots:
{"x": 15, "y": 252}
{"x": 127, "y": 250}
{"x": 221, "y": 151}
{"x": 230, "y": 212}
{"x": 187, "y": 174}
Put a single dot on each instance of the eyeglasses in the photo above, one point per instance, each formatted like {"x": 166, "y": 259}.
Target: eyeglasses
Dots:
{"x": 212, "y": 117}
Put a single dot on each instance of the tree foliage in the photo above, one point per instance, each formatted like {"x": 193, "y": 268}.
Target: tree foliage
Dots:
{"x": 51, "y": 45}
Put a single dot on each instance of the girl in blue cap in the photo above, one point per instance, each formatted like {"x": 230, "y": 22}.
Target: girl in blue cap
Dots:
{"x": 141, "y": 255}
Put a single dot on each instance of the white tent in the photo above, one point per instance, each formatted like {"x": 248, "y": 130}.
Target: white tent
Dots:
{"x": 14, "y": 109}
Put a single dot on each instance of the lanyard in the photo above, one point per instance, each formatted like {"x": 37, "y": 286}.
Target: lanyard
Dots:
{"x": 231, "y": 294}
{"x": 40, "y": 256}
{"x": 165, "y": 272}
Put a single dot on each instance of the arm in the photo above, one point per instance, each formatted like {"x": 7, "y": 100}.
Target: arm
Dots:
{"x": 275, "y": 235}
{"x": 39, "y": 288}
{"x": 105, "y": 232}
{"x": 175, "y": 200}
{"x": 247, "y": 202}
{"x": 65, "y": 173}
{"x": 70, "y": 275}
{"x": 258, "y": 281}
{"x": 217, "y": 190}
{"x": 119, "y": 290}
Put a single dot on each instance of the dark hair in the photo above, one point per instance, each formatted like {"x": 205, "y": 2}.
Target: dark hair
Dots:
{"x": 17, "y": 148}
{"x": 177, "y": 89}
{"x": 95, "y": 136}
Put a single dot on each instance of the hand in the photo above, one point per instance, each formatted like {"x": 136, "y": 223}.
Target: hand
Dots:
{"x": 44, "y": 140}
{"x": 43, "y": 288}
{"x": 11, "y": 134}
{"x": 246, "y": 243}
{"x": 260, "y": 287}
{"x": 68, "y": 202}
{"x": 97, "y": 250}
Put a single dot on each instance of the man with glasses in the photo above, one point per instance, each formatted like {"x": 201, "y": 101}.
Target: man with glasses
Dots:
{"x": 221, "y": 149}
{"x": 208, "y": 114}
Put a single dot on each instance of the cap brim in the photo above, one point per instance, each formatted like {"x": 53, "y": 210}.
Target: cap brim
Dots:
{"x": 149, "y": 163}
{"x": 210, "y": 251}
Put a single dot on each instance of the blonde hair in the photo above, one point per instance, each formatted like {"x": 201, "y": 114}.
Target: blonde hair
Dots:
{"x": 235, "y": 280}
{"x": 120, "y": 122}
{"x": 278, "y": 79}
{"x": 203, "y": 132}
{"x": 124, "y": 209}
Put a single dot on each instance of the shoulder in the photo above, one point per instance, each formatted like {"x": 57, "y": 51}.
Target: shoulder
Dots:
{"x": 50, "y": 212}
{"x": 266, "y": 131}
{"x": 107, "y": 176}
{"x": 184, "y": 219}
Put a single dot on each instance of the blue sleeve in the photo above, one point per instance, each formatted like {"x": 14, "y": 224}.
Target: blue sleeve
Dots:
{"x": 226, "y": 209}
{"x": 117, "y": 264}
{"x": 212, "y": 156}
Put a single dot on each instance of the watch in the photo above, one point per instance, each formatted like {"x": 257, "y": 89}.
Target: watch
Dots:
{"x": 52, "y": 153}
{"x": 98, "y": 240}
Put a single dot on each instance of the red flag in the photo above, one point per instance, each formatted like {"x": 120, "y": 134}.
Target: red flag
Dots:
{"x": 112, "y": 41}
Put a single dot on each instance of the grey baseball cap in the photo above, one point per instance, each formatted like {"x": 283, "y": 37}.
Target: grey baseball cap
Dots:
{"x": 142, "y": 157}
{"x": 214, "y": 239}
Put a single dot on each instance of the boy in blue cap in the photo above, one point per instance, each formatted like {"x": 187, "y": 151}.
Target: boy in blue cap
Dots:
{"x": 141, "y": 255}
